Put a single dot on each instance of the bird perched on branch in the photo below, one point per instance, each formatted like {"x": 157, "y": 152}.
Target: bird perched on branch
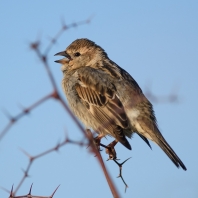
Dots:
{"x": 107, "y": 99}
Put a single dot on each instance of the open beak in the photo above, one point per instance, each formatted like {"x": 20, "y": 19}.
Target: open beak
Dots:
{"x": 64, "y": 60}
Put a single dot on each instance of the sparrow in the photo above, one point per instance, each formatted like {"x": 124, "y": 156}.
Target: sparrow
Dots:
{"x": 107, "y": 99}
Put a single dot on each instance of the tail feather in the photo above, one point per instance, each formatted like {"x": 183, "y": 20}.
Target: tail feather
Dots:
{"x": 149, "y": 129}
{"x": 170, "y": 153}
{"x": 145, "y": 139}
{"x": 120, "y": 136}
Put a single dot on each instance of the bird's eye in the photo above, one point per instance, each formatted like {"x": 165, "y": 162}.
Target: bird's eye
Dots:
{"x": 77, "y": 54}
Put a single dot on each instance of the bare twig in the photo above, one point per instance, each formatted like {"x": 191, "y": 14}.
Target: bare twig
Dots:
{"x": 33, "y": 158}
{"x": 29, "y": 195}
{"x": 43, "y": 57}
{"x": 13, "y": 120}
{"x": 120, "y": 173}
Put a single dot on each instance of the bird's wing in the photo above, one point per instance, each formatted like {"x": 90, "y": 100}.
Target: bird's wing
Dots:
{"x": 99, "y": 96}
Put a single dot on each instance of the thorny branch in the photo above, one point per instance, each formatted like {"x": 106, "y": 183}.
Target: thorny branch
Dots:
{"x": 25, "y": 111}
{"x": 43, "y": 57}
{"x": 55, "y": 94}
{"x": 29, "y": 195}
{"x": 120, "y": 173}
{"x": 33, "y": 158}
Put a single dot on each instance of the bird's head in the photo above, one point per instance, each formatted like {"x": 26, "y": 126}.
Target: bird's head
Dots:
{"x": 82, "y": 52}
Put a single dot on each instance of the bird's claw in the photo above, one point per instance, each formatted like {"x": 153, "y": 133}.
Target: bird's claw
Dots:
{"x": 111, "y": 152}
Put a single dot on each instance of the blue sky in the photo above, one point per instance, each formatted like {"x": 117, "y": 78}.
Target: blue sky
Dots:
{"x": 155, "y": 41}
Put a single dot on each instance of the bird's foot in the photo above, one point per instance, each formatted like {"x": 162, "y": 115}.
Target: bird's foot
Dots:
{"x": 110, "y": 150}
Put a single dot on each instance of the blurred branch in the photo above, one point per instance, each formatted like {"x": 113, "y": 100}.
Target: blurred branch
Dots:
{"x": 25, "y": 111}
{"x": 172, "y": 97}
{"x": 63, "y": 29}
{"x": 43, "y": 57}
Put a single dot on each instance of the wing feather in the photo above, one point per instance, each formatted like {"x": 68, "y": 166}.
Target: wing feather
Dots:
{"x": 111, "y": 110}
{"x": 103, "y": 103}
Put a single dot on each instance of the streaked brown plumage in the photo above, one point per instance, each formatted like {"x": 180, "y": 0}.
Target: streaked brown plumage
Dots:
{"x": 107, "y": 99}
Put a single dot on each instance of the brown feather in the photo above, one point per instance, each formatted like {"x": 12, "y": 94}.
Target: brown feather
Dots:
{"x": 105, "y": 107}
{"x": 111, "y": 109}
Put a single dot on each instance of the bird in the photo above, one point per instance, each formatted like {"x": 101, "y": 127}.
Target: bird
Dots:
{"x": 107, "y": 99}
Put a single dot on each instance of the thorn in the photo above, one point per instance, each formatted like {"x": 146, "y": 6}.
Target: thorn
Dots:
{"x": 25, "y": 110}
{"x": 56, "y": 148}
{"x": 44, "y": 59}
{"x": 126, "y": 188}
{"x": 51, "y": 39}
{"x": 30, "y": 189}
{"x": 27, "y": 154}
{"x": 54, "y": 191}
{"x": 66, "y": 137}
{"x": 90, "y": 18}
{"x": 12, "y": 119}
{"x": 25, "y": 173}
{"x": 126, "y": 160}
{"x": 5, "y": 189}
{"x": 64, "y": 26}
{"x": 34, "y": 45}
{"x": 11, "y": 192}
